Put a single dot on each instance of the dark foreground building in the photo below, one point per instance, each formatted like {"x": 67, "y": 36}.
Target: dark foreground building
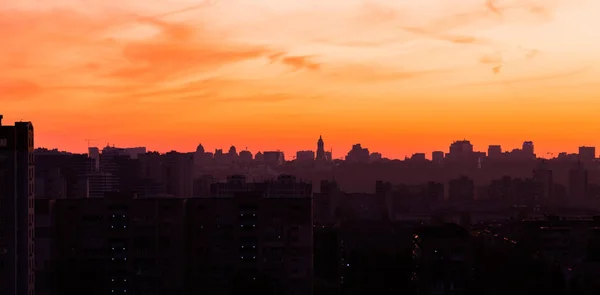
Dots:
{"x": 243, "y": 238}
{"x": 17, "y": 217}
{"x": 251, "y": 238}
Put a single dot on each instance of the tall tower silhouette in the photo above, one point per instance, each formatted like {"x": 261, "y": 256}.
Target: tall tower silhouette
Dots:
{"x": 320, "y": 149}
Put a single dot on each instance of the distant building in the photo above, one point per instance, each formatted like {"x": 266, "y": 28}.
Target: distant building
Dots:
{"x": 528, "y": 150}
{"x": 94, "y": 154}
{"x": 587, "y": 154}
{"x": 245, "y": 157}
{"x": 178, "y": 174}
{"x": 200, "y": 157}
{"x": 131, "y": 152}
{"x": 328, "y": 156}
{"x": 375, "y": 157}
{"x": 460, "y": 148}
{"x": 220, "y": 158}
{"x": 418, "y": 157}
{"x": 578, "y": 183}
{"x": 321, "y": 150}
{"x": 17, "y": 215}
{"x": 259, "y": 157}
{"x": 232, "y": 155}
{"x": 462, "y": 152}
{"x": 305, "y": 156}
{"x": 543, "y": 178}
{"x": 461, "y": 189}
{"x": 173, "y": 172}
{"x": 437, "y": 157}
{"x": 274, "y": 158}
{"x": 358, "y": 154}
{"x": 494, "y": 151}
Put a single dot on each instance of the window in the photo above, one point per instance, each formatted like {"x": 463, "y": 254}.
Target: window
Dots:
{"x": 3, "y": 142}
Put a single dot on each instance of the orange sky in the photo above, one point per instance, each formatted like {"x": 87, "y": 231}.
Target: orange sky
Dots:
{"x": 397, "y": 76}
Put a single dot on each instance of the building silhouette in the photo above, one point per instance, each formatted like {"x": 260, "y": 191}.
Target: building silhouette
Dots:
{"x": 321, "y": 150}
{"x": 528, "y": 150}
{"x": 17, "y": 215}
{"x": 494, "y": 151}
{"x": 305, "y": 156}
{"x": 578, "y": 183}
{"x": 587, "y": 154}
{"x": 437, "y": 157}
{"x": 241, "y": 237}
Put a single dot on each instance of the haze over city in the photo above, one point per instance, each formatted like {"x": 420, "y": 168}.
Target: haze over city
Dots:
{"x": 400, "y": 77}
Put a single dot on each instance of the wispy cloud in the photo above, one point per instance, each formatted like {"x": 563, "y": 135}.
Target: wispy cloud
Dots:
{"x": 375, "y": 74}
{"x": 494, "y": 60}
{"x": 295, "y": 62}
{"x": 530, "y": 79}
{"x": 457, "y": 39}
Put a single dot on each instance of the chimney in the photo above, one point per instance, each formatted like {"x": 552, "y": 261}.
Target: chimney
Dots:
{"x": 1, "y": 119}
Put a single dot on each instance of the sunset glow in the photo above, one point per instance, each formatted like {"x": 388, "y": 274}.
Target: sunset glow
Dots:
{"x": 397, "y": 76}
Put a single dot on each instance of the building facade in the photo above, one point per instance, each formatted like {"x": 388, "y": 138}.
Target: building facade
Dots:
{"x": 17, "y": 215}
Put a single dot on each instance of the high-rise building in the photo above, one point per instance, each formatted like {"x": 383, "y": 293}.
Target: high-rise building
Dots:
{"x": 461, "y": 150}
{"x": 178, "y": 174}
{"x": 494, "y": 151}
{"x": 321, "y": 150}
{"x": 305, "y": 156}
{"x": 17, "y": 216}
{"x": 119, "y": 244}
{"x": 273, "y": 158}
{"x": 255, "y": 237}
{"x": 358, "y": 154}
{"x": 528, "y": 149}
{"x": 587, "y": 153}
{"x": 437, "y": 156}
{"x": 578, "y": 182}
{"x": 544, "y": 181}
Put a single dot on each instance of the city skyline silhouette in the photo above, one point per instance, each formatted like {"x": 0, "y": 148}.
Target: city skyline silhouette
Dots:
{"x": 400, "y": 78}
{"x": 299, "y": 147}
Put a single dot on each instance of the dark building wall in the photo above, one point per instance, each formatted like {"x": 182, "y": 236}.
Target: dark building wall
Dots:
{"x": 120, "y": 244}
{"x": 251, "y": 237}
{"x": 17, "y": 215}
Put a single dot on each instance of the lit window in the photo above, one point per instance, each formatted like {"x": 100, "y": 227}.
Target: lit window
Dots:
{"x": 113, "y": 258}
{"x": 253, "y": 214}
{"x": 124, "y": 280}
{"x": 124, "y": 226}
{"x": 112, "y": 291}
{"x": 242, "y": 247}
{"x": 113, "y": 217}
{"x": 242, "y": 214}
{"x": 112, "y": 226}
{"x": 113, "y": 280}
{"x": 123, "y": 216}
{"x": 253, "y": 257}
{"x": 242, "y": 257}
{"x": 253, "y": 247}
{"x": 254, "y": 225}
{"x": 123, "y": 249}
{"x": 125, "y": 258}
{"x": 241, "y": 225}
{"x": 113, "y": 248}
